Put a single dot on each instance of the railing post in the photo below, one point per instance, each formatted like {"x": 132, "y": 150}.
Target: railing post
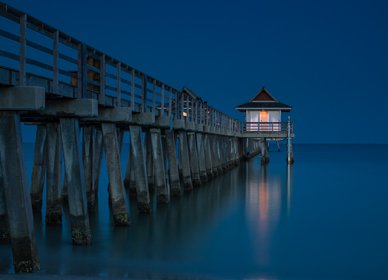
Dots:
{"x": 82, "y": 71}
{"x": 101, "y": 96}
{"x": 55, "y": 62}
{"x": 182, "y": 104}
{"x": 169, "y": 103}
{"x": 290, "y": 158}
{"x": 162, "y": 101}
{"x": 118, "y": 85}
{"x": 133, "y": 89}
{"x": 144, "y": 93}
{"x": 22, "y": 55}
{"x": 153, "y": 97}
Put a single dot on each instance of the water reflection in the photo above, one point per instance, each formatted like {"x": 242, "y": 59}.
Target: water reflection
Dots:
{"x": 268, "y": 204}
{"x": 211, "y": 231}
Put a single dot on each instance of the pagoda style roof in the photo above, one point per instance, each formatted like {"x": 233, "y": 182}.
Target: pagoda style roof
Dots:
{"x": 264, "y": 101}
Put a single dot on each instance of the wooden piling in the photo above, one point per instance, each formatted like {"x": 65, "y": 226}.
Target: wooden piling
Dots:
{"x": 130, "y": 181}
{"x": 173, "y": 173}
{"x": 290, "y": 155}
{"x": 192, "y": 141}
{"x": 117, "y": 194}
{"x": 17, "y": 198}
{"x": 201, "y": 157}
{"x": 149, "y": 160}
{"x": 264, "y": 152}
{"x": 88, "y": 160}
{"x": 139, "y": 168}
{"x": 39, "y": 169}
{"x": 162, "y": 190}
{"x": 97, "y": 143}
{"x": 185, "y": 161}
{"x": 4, "y": 228}
{"x": 53, "y": 175}
{"x": 79, "y": 218}
{"x": 208, "y": 156}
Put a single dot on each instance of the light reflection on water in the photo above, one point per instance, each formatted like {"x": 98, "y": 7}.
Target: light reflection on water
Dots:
{"x": 324, "y": 218}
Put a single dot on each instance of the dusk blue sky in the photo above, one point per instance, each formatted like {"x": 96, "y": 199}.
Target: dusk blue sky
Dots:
{"x": 328, "y": 59}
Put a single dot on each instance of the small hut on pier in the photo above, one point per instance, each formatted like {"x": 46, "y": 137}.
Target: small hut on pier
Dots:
{"x": 264, "y": 119}
{"x": 263, "y": 112}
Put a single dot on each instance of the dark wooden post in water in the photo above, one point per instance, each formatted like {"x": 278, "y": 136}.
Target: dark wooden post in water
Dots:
{"x": 79, "y": 218}
{"x": 117, "y": 194}
{"x": 163, "y": 192}
{"x": 208, "y": 156}
{"x": 88, "y": 160}
{"x": 201, "y": 157}
{"x": 54, "y": 174}
{"x": 149, "y": 159}
{"x": 194, "y": 164}
{"x": 4, "y": 227}
{"x": 173, "y": 173}
{"x": 290, "y": 156}
{"x": 130, "y": 181}
{"x": 17, "y": 198}
{"x": 184, "y": 161}
{"x": 39, "y": 168}
{"x": 264, "y": 152}
{"x": 97, "y": 143}
{"x": 138, "y": 165}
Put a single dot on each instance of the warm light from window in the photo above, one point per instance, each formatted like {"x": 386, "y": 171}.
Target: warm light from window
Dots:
{"x": 184, "y": 114}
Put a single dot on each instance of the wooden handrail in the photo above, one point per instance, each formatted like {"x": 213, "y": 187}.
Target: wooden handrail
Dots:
{"x": 94, "y": 74}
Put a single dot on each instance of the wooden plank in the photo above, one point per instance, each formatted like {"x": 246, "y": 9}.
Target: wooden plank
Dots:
{"x": 39, "y": 64}
{"x": 9, "y": 55}
{"x": 39, "y": 47}
{"x": 9, "y": 35}
{"x": 67, "y": 58}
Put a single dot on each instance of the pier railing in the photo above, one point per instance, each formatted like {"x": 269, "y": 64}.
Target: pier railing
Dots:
{"x": 36, "y": 54}
{"x": 275, "y": 129}
{"x": 265, "y": 126}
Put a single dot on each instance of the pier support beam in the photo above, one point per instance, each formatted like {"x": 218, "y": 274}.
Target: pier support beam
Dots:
{"x": 139, "y": 168}
{"x": 184, "y": 161}
{"x": 4, "y": 228}
{"x": 17, "y": 198}
{"x": 88, "y": 160}
{"x": 39, "y": 169}
{"x": 173, "y": 173}
{"x": 79, "y": 218}
{"x": 162, "y": 191}
{"x": 290, "y": 156}
{"x": 130, "y": 181}
{"x": 97, "y": 141}
{"x": 208, "y": 156}
{"x": 195, "y": 176}
{"x": 117, "y": 194}
{"x": 201, "y": 157}
{"x": 149, "y": 160}
{"x": 53, "y": 176}
{"x": 217, "y": 153}
{"x": 264, "y": 152}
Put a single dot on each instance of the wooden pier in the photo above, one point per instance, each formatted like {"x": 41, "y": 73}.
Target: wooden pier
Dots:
{"x": 82, "y": 101}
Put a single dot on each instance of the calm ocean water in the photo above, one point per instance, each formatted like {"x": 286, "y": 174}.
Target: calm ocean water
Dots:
{"x": 326, "y": 217}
